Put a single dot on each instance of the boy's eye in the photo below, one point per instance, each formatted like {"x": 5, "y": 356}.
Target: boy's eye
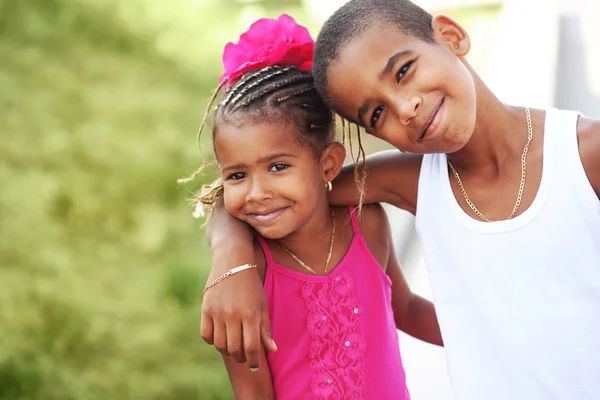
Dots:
{"x": 278, "y": 167}
{"x": 375, "y": 116}
{"x": 403, "y": 70}
{"x": 236, "y": 176}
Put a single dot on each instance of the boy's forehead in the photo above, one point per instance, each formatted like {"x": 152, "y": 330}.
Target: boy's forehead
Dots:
{"x": 376, "y": 40}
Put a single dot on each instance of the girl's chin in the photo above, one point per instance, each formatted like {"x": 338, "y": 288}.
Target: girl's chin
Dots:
{"x": 272, "y": 233}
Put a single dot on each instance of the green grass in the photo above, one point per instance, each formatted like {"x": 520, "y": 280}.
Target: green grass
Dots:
{"x": 101, "y": 265}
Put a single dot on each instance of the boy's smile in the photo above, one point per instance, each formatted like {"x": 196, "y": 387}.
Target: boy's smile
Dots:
{"x": 416, "y": 95}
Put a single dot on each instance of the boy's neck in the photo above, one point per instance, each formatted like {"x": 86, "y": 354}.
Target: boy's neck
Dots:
{"x": 497, "y": 135}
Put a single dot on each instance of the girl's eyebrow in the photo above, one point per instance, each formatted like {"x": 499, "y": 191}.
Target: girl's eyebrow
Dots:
{"x": 259, "y": 161}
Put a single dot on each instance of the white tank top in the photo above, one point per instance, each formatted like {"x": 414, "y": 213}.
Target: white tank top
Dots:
{"x": 518, "y": 301}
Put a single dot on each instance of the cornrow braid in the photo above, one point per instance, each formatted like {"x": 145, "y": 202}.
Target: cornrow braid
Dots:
{"x": 246, "y": 86}
{"x": 274, "y": 87}
{"x": 277, "y": 93}
{"x": 242, "y": 83}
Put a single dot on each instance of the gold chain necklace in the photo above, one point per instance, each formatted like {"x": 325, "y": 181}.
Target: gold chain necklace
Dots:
{"x": 309, "y": 269}
{"x": 523, "y": 175}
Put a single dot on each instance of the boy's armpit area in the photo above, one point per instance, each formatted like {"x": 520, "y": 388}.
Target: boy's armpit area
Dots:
{"x": 588, "y": 135}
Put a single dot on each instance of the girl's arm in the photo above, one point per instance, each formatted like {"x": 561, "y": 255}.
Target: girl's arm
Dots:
{"x": 234, "y": 311}
{"x": 392, "y": 177}
{"x": 413, "y": 314}
{"x": 248, "y": 384}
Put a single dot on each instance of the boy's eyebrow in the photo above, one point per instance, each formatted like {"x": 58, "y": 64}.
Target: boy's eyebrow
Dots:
{"x": 388, "y": 68}
{"x": 392, "y": 61}
{"x": 260, "y": 160}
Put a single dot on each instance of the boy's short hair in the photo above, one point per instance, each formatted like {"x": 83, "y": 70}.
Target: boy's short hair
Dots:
{"x": 354, "y": 18}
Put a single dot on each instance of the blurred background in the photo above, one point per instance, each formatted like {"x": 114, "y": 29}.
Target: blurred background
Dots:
{"x": 101, "y": 264}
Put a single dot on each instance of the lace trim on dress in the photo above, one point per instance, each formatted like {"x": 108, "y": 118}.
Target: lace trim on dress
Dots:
{"x": 337, "y": 346}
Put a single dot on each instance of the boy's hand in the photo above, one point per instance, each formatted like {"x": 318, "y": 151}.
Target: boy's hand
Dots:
{"x": 234, "y": 311}
{"x": 235, "y": 318}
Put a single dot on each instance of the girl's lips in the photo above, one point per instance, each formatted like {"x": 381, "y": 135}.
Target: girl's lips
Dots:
{"x": 266, "y": 218}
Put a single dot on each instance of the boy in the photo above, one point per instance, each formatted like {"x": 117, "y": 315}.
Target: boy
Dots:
{"x": 517, "y": 298}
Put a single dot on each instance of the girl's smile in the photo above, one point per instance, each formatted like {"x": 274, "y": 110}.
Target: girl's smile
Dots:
{"x": 267, "y": 217}
{"x": 271, "y": 180}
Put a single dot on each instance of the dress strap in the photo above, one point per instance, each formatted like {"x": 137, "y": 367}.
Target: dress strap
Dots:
{"x": 265, "y": 249}
{"x": 356, "y": 226}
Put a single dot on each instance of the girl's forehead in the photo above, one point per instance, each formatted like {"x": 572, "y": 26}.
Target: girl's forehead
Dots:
{"x": 233, "y": 140}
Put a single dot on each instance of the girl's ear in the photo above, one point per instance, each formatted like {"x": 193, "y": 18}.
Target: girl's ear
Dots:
{"x": 332, "y": 161}
{"x": 450, "y": 33}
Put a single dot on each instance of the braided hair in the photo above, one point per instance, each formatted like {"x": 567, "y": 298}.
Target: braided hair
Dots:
{"x": 275, "y": 93}
{"x": 278, "y": 93}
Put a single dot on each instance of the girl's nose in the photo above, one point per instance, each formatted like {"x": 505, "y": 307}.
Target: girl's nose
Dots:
{"x": 259, "y": 190}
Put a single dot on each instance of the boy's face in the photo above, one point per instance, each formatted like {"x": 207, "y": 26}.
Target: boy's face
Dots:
{"x": 417, "y": 96}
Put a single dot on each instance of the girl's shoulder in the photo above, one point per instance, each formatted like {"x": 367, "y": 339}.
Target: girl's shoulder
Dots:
{"x": 375, "y": 228}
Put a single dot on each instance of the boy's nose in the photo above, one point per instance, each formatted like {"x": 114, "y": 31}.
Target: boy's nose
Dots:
{"x": 408, "y": 108}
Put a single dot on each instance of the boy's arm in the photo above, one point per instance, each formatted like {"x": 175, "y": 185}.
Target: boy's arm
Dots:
{"x": 248, "y": 384}
{"x": 234, "y": 311}
{"x": 413, "y": 314}
{"x": 588, "y": 134}
{"x": 392, "y": 177}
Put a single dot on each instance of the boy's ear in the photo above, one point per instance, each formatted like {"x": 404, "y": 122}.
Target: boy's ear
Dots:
{"x": 332, "y": 161}
{"x": 450, "y": 33}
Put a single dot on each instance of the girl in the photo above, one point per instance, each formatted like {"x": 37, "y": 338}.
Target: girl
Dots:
{"x": 517, "y": 298}
{"x": 334, "y": 288}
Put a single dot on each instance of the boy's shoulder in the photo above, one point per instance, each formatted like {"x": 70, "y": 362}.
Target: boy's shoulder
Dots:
{"x": 588, "y": 135}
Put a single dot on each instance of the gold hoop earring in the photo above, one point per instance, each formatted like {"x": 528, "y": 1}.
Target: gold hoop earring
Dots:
{"x": 329, "y": 186}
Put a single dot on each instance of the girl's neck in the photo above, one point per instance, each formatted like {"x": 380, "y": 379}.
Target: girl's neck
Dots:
{"x": 311, "y": 242}
{"x": 496, "y": 137}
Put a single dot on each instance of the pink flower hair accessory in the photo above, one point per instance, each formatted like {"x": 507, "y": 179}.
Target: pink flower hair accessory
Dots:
{"x": 268, "y": 42}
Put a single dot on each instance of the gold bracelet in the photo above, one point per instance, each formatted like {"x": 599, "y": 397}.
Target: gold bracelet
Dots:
{"x": 227, "y": 274}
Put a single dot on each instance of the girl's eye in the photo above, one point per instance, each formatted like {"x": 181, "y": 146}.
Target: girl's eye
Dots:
{"x": 236, "y": 176}
{"x": 375, "y": 116}
{"x": 403, "y": 70}
{"x": 278, "y": 167}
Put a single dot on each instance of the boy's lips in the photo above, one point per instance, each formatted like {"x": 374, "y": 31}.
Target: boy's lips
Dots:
{"x": 265, "y": 217}
{"x": 432, "y": 122}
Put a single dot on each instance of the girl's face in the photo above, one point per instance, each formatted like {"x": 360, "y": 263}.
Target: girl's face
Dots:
{"x": 417, "y": 96}
{"x": 271, "y": 181}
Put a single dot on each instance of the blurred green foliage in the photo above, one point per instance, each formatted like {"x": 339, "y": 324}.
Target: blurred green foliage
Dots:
{"x": 101, "y": 264}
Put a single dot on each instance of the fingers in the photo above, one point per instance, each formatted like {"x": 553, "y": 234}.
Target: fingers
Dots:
{"x": 252, "y": 343}
{"x": 234, "y": 341}
{"x": 265, "y": 330}
{"x": 220, "y": 339}
{"x": 206, "y": 328}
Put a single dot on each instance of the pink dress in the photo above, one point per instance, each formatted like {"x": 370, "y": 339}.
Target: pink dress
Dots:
{"x": 336, "y": 334}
